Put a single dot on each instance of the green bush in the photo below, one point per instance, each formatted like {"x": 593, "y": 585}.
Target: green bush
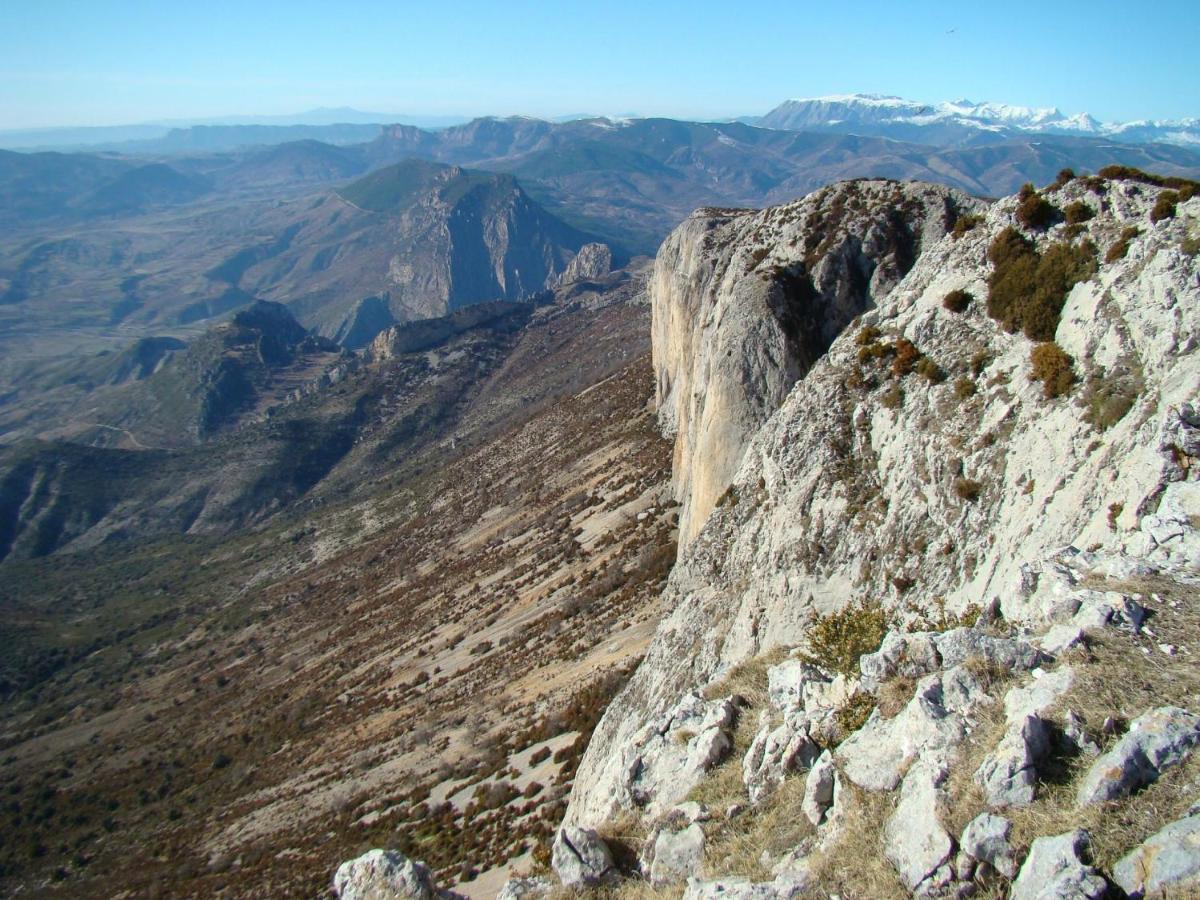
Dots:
{"x": 838, "y": 640}
{"x": 957, "y": 301}
{"x": 964, "y": 387}
{"x": 1164, "y": 206}
{"x": 1053, "y": 367}
{"x": 1064, "y": 177}
{"x": 1035, "y": 211}
{"x": 930, "y": 371}
{"x": 1027, "y": 290}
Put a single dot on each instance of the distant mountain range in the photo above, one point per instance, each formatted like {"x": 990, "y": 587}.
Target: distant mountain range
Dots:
{"x": 961, "y": 122}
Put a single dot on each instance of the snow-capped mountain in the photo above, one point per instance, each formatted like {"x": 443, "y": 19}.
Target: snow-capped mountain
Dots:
{"x": 961, "y": 122}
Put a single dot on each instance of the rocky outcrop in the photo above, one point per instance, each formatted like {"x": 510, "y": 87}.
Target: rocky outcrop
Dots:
{"x": 580, "y": 858}
{"x": 1168, "y": 861}
{"x": 961, "y": 481}
{"x": 744, "y": 303}
{"x": 1055, "y": 870}
{"x": 1157, "y": 741}
{"x": 383, "y": 875}
{"x": 593, "y": 261}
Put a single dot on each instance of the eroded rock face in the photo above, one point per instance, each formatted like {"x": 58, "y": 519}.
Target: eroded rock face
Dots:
{"x": 744, "y": 303}
{"x": 591, "y": 262}
{"x": 852, "y": 489}
{"x": 383, "y": 875}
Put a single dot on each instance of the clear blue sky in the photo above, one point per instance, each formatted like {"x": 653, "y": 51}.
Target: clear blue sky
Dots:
{"x": 107, "y": 62}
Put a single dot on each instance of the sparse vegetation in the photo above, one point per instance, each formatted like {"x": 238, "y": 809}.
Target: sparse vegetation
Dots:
{"x": 964, "y": 387}
{"x": 1054, "y": 368}
{"x": 1164, "y": 206}
{"x": 1120, "y": 246}
{"x": 1108, "y": 396}
{"x": 838, "y": 640}
{"x": 967, "y": 489}
{"x": 965, "y": 223}
{"x": 958, "y": 300}
{"x": 1078, "y": 212}
{"x": 1027, "y": 290}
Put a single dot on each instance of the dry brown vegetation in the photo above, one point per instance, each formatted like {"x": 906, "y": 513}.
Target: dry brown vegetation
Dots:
{"x": 320, "y": 682}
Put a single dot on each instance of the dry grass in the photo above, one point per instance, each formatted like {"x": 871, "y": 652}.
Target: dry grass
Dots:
{"x": 748, "y": 679}
{"x": 894, "y": 695}
{"x": 854, "y": 865}
{"x": 776, "y": 825}
{"x": 1118, "y": 675}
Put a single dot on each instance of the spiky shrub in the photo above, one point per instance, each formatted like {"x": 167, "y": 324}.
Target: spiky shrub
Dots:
{"x": 1054, "y": 368}
{"x": 838, "y": 640}
{"x": 957, "y": 300}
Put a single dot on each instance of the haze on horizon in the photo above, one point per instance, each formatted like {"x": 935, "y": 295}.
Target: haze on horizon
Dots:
{"x": 108, "y": 62}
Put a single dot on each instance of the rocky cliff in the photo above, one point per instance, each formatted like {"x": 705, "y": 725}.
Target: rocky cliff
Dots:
{"x": 928, "y": 469}
{"x": 745, "y": 302}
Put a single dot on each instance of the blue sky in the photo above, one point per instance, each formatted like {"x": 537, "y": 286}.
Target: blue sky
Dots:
{"x": 103, "y": 62}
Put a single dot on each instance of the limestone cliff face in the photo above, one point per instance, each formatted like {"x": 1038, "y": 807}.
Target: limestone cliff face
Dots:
{"x": 745, "y": 302}
{"x": 897, "y": 488}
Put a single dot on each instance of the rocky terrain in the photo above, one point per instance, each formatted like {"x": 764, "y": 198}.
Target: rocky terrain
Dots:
{"x": 937, "y": 635}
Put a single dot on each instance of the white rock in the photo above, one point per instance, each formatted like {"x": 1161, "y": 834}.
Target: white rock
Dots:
{"x": 1054, "y": 870}
{"x": 915, "y": 841}
{"x": 986, "y": 839}
{"x": 677, "y": 855}
{"x": 383, "y": 875}
{"x": 580, "y": 858}
{"x": 1008, "y": 774}
{"x": 1168, "y": 862}
{"x": 525, "y": 888}
{"x": 1156, "y": 740}
{"x": 774, "y": 753}
{"x": 786, "y": 683}
{"x": 819, "y": 789}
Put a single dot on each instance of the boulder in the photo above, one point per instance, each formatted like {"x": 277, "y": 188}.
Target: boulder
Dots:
{"x": 1167, "y": 862}
{"x": 773, "y": 753}
{"x": 819, "y": 789}
{"x": 787, "y": 681}
{"x": 383, "y": 875}
{"x": 1054, "y": 870}
{"x": 580, "y": 858}
{"x": 876, "y": 755}
{"x": 985, "y": 839}
{"x": 782, "y": 888}
{"x": 915, "y": 842}
{"x": 1157, "y": 740}
{"x": 1008, "y": 774}
{"x": 677, "y": 855}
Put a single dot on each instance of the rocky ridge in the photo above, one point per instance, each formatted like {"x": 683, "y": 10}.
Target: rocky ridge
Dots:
{"x": 945, "y": 497}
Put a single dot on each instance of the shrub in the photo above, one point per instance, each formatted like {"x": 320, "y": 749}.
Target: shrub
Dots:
{"x": 1128, "y": 173}
{"x": 838, "y": 640}
{"x": 906, "y": 357}
{"x": 1164, "y": 206}
{"x": 1108, "y": 397}
{"x": 1190, "y": 245}
{"x": 957, "y": 301}
{"x": 963, "y": 224}
{"x": 980, "y": 360}
{"x": 1078, "y": 212}
{"x": 853, "y": 714}
{"x": 1064, "y": 177}
{"x": 1027, "y": 290}
{"x": 893, "y": 397}
{"x": 967, "y": 489}
{"x": 930, "y": 371}
{"x": 964, "y": 387}
{"x": 1121, "y": 245}
{"x": 1035, "y": 211}
{"x": 1052, "y": 366}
